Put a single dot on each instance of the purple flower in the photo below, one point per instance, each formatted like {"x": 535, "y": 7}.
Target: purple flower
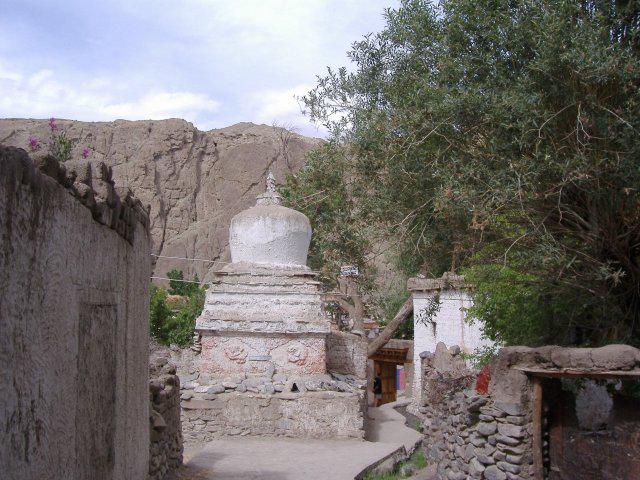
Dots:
{"x": 34, "y": 143}
{"x": 52, "y": 124}
{"x": 85, "y": 152}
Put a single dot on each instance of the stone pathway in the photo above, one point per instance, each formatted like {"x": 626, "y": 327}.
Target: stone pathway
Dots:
{"x": 385, "y": 424}
{"x": 249, "y": 458}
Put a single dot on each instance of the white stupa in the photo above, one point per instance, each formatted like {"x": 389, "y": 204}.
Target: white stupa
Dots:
{"x": 263, "y": 312}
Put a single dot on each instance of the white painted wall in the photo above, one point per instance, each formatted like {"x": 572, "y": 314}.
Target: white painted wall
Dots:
{"x": 447, "y": 325}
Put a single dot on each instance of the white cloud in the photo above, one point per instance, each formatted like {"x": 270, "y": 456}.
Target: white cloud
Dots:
{"x": 42, "y": 95}
{"x": 278, "y": 105}
{"x": 160, "y": 105}
{"x": 6, "y": 74}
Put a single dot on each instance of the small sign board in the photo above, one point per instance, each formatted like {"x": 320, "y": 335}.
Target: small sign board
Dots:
{"x": 259, "y": 358}
{"x": 349, "y": 271}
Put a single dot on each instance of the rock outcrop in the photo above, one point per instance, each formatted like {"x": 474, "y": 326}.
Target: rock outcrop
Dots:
{"x": 193, "y": 181}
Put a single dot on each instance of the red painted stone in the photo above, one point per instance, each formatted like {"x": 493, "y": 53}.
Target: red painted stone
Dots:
{"x": 482, "y": 382}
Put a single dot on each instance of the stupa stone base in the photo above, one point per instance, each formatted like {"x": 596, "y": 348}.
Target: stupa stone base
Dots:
{"x": 258, "y": 321}
{"x": 302, "y": 415}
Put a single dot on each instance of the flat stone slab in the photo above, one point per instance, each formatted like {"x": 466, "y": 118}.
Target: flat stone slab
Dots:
{"x": 269, "y": 458}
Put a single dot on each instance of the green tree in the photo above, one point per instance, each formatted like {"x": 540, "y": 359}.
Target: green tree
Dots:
{"x": 321, "y": 190}
{"x": 179, "y": 286}
{"x": 177, "y": 326}
{"x": 500, "y": 138}
{"x": 159, "y": 313}
{"x": 182, "y": 324}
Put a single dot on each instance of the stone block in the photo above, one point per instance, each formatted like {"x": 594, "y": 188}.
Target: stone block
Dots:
{"x": 615, "y": 357}
{"x": 486, "y": 428}
{"x": 476, "y": 469}
{"x": 509, "y": 408}
{"x": 508, "y": 467}
{"x": 509, "y": 430}
{"x": 492, "y": 473}
{"x": 514, "y": 459}
{"x": 217, "y": 388}
{"x": 512, "y": 442}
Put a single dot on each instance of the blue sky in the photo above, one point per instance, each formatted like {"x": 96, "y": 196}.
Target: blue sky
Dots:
{"x": 212, "y": 62}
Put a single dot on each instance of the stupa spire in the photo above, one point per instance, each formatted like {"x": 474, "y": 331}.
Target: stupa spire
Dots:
{"x": 271, "y": 195}
{"x": 271, "y": 183}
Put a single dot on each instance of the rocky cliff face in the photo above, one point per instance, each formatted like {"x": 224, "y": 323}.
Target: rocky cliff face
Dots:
{"x": 193, "y": 181}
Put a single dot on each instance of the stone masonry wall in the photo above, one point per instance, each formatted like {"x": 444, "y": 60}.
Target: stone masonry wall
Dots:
{"x": 165, "y": 429}
{"x": 468, "y": 435}
{"x": 346, "y": 354}
{"x": 308, "y": 414}
{"x": 74, "y": 310}
{"x": 471, "y": 436}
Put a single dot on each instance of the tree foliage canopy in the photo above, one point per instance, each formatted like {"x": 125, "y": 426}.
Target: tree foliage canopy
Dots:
{"x": 500, "y": 138}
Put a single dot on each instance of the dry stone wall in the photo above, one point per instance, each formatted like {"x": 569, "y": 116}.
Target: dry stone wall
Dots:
{"x": 473, "y": 436}
{"x": 74, "y": 320}
{"x": 165, "y": 429}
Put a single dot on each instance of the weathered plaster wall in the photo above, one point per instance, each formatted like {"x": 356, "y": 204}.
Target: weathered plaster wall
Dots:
{"x": 74, "y": 253}
{"x": 347, "y": 354}
{"x": 447, "y": 325}
{"x": 165, "y": 449}
{"x": 270, "y": 234}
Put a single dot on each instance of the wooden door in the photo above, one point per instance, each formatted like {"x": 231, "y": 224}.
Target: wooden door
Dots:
{"x": 388, "y": 377}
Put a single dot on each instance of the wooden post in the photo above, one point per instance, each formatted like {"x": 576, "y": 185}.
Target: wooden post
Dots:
{"x": 538, "y": 464}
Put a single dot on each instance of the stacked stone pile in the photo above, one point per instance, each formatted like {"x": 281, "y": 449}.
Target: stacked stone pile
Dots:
{"x": 165, "y": 453}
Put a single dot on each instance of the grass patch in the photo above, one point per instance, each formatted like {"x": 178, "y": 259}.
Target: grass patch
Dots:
{"x": 416, "y": 460}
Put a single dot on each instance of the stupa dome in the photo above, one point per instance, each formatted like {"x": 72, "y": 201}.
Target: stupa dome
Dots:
{"x": 269, "y": 234}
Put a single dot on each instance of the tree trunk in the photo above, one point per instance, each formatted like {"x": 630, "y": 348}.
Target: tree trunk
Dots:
{"x": 405, "y": 310}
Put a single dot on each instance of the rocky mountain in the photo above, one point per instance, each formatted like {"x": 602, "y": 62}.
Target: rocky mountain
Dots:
{"x": 193, "y": 181}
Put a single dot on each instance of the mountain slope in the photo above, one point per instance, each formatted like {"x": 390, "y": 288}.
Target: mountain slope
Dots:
{"x": 193, "y": 181}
